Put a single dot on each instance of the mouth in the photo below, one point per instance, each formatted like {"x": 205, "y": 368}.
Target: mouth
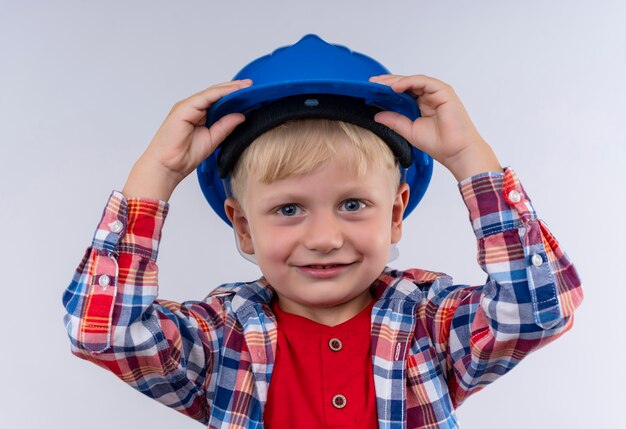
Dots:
{"x": 323, "y": 271}
{"x": 323, "y": 267}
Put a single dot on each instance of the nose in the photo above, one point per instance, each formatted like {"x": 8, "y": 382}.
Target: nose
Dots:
{"x": 324, "y": 233}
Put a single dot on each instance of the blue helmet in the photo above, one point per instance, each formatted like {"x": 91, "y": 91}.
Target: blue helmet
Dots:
{"x": 311, "y": 79}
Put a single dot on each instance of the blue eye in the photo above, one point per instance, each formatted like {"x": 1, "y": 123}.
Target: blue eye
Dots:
{"x": 352, "y": 205}
{"x": 288, "y": 210}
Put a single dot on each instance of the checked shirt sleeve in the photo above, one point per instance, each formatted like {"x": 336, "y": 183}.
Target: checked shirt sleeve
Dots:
{"x": 530, "y": 295}
{"x": 160, "y": 348}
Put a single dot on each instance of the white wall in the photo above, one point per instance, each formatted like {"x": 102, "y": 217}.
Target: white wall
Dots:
{"x": 84, "y": 86}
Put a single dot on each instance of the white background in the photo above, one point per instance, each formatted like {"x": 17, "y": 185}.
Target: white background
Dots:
{"x": 85, "y": 84}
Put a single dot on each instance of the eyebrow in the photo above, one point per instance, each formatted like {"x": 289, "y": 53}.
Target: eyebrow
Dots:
{"x": 278, "y": 198}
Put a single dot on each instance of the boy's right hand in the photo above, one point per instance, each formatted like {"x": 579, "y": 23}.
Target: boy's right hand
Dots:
{"x": 182, "y": 143}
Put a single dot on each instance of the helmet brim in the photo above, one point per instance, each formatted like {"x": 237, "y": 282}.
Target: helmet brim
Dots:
{"x": 255, "y": 96}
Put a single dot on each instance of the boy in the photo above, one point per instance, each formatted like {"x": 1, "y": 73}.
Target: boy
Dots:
{"x": 329, "y": 337}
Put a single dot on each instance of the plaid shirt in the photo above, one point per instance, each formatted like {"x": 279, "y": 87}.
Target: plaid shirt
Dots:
{"x": 433, "y": 343}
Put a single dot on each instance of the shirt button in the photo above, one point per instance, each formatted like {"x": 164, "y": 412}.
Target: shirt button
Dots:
{"x": 339, "y": 401}
{"x": 335, "y": 344}
{"x": 537, "y": 260}
{"x": 104, "y": 280}
{"x": 515, "y": 196}
{"x": 116, "y": 226}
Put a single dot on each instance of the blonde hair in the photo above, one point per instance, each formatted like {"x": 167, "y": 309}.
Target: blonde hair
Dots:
{"x": 299, "y": 147}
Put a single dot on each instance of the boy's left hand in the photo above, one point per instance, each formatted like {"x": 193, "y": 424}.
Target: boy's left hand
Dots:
{"x": 444, "y": 131}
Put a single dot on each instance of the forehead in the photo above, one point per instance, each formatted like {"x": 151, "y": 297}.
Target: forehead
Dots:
{"x": 335, "y": 178}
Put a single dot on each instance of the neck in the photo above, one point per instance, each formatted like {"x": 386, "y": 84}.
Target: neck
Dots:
{"x": 329, "y": 316}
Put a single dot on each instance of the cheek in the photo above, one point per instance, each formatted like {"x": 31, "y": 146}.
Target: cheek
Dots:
{"x": 379, "y": 246}
{"x": 271, "y": 243}
{"x": 373, "y": 239}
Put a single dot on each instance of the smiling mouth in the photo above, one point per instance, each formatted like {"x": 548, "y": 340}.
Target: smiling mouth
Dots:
{"x": 324, "y": 267}
{"x": 324, "y": 271}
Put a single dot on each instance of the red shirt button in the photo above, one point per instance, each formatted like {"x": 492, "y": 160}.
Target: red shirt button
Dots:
{"x": 339, "y": 401}
{"x": 335, "y": 344}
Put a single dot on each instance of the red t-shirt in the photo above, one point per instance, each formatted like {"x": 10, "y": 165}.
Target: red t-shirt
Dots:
{"x": 322, "y": 376}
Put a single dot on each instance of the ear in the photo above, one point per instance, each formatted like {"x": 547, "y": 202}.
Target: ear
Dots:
{"x": 397, "y": 211}
{"x": 238, "y": 219}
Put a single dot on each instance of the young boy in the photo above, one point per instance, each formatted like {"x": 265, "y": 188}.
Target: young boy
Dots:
{"x": 330, "y": 336}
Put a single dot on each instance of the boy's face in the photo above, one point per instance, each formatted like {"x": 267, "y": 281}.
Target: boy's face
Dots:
{"x": 321, "y": 239}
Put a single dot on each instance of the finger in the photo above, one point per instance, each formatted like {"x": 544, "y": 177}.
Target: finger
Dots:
{"x": 381, "y": 77}
{"x": 385, "y": 79}
{"x": 204, "y": 99}
{"x": 418, "y": 85}
{"x": 194, "y": 108}
{"x": 221, "y": 129}
{"x": 397, "y": 122}
{"x": 408, "y": 85}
